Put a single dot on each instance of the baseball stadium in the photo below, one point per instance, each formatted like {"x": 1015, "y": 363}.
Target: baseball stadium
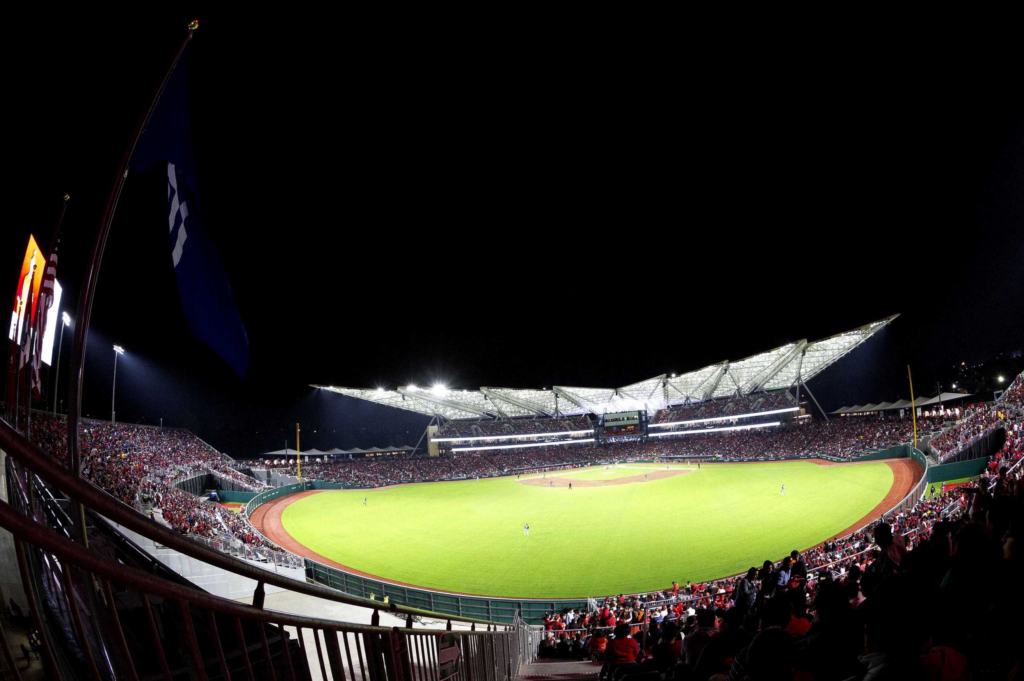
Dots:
{"x": 446, "y": 225}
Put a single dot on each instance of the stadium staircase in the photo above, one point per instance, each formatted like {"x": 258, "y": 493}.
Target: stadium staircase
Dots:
{"x": 560, "y": 670}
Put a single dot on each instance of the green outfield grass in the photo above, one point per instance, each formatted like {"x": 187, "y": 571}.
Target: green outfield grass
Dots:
{"x": 588, "y": 541}
{"x": 607, "y": 472}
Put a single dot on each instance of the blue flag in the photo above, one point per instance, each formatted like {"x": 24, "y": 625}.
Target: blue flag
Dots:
{"x": 202, "y": 284}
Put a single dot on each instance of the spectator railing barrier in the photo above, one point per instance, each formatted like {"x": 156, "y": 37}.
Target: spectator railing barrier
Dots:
{"x": 26, "y": 455}
{"x": 979, "y": 446}
{"x": 194, "y": 485}
{"x": 107, "y": 620}
{"x": 1011, "y": 470}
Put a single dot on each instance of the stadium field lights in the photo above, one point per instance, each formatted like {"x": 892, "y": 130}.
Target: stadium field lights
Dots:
{"x": 715, "y": 430}
{"x": 518, "y": 436}
{"x": 724, "y": 418}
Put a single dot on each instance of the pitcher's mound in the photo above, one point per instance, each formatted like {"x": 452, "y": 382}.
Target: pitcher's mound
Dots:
{"x": 627, "y": 480}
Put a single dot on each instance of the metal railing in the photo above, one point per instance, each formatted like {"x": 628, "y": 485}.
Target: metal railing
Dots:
{"x": 1009, "y": 471}
{"x": 122, "y": 622}
{"x": 81, "y": 492}
{"x": 103, "y": 619}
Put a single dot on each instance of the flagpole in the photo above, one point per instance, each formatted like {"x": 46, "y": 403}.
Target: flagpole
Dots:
{"x": 24, "y": 336}
{"x": 913, "y": 411}
{"x": 88, "y": 291}
{"x": 32, "y": 335}
{"x": 54, "y": 242}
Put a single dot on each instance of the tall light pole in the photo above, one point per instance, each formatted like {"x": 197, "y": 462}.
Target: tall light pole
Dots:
{"x": 118, "y": 350}
{"x": 56, "y": 378}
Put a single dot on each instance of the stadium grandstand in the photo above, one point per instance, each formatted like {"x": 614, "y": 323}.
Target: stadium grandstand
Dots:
{"x": 148, "y": 469}
{"x": 151, "y": 472}
{"x": 715, "y": 525}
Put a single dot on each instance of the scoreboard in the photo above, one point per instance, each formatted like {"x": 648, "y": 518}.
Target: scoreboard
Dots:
{"x": 622, "y": 423}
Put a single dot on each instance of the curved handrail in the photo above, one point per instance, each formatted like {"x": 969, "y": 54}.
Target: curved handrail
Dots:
{"x": 41, "y": 536}
{"x": 83, "y": 492}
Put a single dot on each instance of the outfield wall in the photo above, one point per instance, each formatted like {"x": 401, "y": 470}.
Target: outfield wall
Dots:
{"x": 955, "y": 471}
{"x": 235, "y": 497}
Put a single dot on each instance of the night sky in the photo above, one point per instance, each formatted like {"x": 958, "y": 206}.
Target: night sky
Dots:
{"x": 519, "y": 212}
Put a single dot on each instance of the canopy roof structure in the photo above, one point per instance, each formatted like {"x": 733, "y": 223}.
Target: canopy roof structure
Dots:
{"x": 285, "y": 453}
{"x": 775, "y": 369}
{"x": 904, "y": 404}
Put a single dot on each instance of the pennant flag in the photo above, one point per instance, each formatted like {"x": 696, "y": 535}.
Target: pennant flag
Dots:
{"x": 202, "y": 284}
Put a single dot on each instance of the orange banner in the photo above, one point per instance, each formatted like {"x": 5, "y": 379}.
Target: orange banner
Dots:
{"x": 33, "y": 256}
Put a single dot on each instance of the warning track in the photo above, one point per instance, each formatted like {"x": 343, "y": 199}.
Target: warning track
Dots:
{"x": 906, "y": 473}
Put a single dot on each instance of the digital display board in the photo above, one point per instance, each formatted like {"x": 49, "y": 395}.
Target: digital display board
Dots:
{"x": 623, "y": 423}
{"x": 53, "y": 324}
{"x": 623, "y": 418}
{"x": 34, "y": 264}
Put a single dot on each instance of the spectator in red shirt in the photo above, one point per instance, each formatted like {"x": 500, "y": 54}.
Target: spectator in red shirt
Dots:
{"x": 597, "y": 645}
{"x": 622, "y": 652}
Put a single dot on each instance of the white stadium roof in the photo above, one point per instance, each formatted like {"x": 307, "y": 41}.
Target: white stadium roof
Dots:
{"x": 771, "y": 370}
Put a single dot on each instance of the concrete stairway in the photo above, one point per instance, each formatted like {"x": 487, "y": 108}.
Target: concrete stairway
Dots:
{"x": 560, "y": 670}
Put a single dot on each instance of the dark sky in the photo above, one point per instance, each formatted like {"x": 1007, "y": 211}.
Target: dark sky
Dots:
{"x": 522, "y": 212}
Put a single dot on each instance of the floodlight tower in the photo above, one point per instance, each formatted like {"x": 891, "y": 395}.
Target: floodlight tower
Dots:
{"x": 56, "y": 379}
{"x": 118, "y": 350}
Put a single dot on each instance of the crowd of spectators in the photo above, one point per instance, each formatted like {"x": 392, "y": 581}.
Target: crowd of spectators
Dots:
{"x": 909, "y": 597}
{"x": 840, "y": 438}
{"x": 383, "y": 471}
{"x": 844, "y": 438}
{"x": 726, "y": 407}
{"x": 980, "y": 420}
{"x": 521, "y": 426}
{"x": 140, "y": 465}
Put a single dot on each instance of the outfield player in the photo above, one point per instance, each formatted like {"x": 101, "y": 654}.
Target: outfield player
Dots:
{"x": 783, "y": 490}
{"x": 526, "y": 530}
{"x": 570, "y": 485}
